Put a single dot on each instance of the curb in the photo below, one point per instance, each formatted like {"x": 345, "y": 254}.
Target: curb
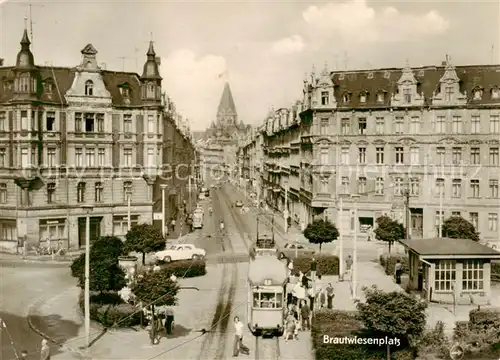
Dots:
{"x": 32, "y": 310}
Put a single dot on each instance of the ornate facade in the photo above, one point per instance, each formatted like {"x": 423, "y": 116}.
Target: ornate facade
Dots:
{"x": 433, "y": 131}
{"x": 77, "y": 138}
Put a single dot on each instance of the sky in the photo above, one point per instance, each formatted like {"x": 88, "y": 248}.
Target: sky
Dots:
{"x": 263, "y": 48}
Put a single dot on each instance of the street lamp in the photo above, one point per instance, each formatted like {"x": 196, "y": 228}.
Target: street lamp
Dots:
{"x": 88, "y": 209}
{"x": 129, "y": 218}
{"x": 340, "y": 222}
{"x": 355, "y": 198}
{"x": 163, "y": 188}
{"x": 285, "y": 212}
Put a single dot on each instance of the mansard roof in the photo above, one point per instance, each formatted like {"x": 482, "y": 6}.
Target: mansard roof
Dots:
{"x": 428, "y": 80}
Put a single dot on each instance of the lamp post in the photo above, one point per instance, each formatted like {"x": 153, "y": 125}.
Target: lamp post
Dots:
{"x": 285, "y": 213}
{"x": 355, "y": 198}
{"x": 129, "y": 218}
{"x": 88, "y": 209}
{"x": 340, "y": 222}
{"x": 163, "y": 188}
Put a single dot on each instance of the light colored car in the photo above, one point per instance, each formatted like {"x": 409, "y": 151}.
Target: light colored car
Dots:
{"x": 180, "y": 252}
{"x": 239, "y": 203}
{"x": 288, "y": 251}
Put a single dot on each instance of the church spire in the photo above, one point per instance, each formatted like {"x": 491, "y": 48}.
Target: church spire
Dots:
{"x": 226, "y": 112}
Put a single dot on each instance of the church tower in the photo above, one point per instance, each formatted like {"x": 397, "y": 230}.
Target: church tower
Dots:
{"x": 151, "y": 79}
{"x": 226, "y": 113}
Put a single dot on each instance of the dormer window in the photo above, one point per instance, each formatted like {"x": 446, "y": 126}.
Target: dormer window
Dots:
{"x": 23, "y": 83}
{"x": 448, "y": 93}
{"x": 362, "y": 97}
{"x": 380, "y": 97}
{"x": 477, "y": 94}
{"x": 89, "y": 88}
{"x": 47, "y": 86}
{"x": 407, "y": 95}
{"x": 125, "y": 91}
{"x": 495, "y": 93}
{"x": 325, "y": 98}
{"x": 346, "y": 97}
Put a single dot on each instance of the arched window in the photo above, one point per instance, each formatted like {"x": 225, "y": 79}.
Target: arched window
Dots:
{"x": 89, "y": 88}
{"x": 477, "y": 93}
{"x": 495, "y": 93}
{"x": 363, "y": 96}
{"x": 346, "y": 97}
{"x": 24, "y": 83}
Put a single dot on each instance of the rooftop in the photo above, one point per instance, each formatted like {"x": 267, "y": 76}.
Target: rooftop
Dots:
{"x": 449, "y": 247}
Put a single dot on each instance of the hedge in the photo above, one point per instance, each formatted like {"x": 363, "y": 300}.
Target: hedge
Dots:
{"x": 185, "y": 268}
{"x": 109, "y": 310}
{"x": 495, "y": 271}
{"x": 325, "y": 264}
{"x": 388, "y": 262}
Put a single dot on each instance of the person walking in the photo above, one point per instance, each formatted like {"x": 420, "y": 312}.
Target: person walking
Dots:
{"x": 238, "y": 338}
{"x": 398, "y": 269}
{"x": 45, "y": 351}
{"x": 329, "y": 296}
{"x": 172, "y": 224}
{"x": 305, "y": 314}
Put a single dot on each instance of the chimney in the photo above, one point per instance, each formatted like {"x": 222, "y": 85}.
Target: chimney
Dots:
{"x": 1, "y": 62}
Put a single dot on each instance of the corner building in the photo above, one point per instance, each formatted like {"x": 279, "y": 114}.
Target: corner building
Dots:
{"x": 74, "y": 137}
{"x": 433, "y": 131}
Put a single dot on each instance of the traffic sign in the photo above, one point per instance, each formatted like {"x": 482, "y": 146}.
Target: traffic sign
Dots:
{"x": 456, "y": 352}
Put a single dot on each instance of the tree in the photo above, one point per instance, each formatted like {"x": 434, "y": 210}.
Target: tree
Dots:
{"x": 389, "y": 230}
{"x": 457, "y": 227}
{"x": 144, "y": 238}
{"x": 156, "y": 287}
{"x": 393, "y": 314}
{"x": 106, "y": 275}
{"x": 320, "y": 232}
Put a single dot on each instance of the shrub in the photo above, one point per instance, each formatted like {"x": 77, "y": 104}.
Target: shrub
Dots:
{"x": 186, "y": 268}
{"x": 484, "y": 319}
{"x": 326, "y": 264}
{"x": 434, "y": 342}
{"x": 388, "y": 262}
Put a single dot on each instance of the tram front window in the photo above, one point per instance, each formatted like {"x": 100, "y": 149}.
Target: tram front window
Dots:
{"x": 268, "y": 300}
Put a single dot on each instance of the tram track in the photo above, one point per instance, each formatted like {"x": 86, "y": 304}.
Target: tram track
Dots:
{"x": 267, "y": 349}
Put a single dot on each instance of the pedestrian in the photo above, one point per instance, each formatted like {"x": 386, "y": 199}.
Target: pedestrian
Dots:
{"x": 312, "y": 298}
{"x": 169, "y": 320}
{"x": 305, "y": 314}
{"x": 238, "y": 338}
{"x": 290, "y": 267}
{"x": 398, "y": 269}
{"x": 24, "y": 355}
{"x": 289, "y": 327}
{"x": 330, "y": 294}
{"x": 348, "y": 265}
{"x": 45, "y": 351}
{"x": 304, "y": 280}
{"x": 289, "y": 290}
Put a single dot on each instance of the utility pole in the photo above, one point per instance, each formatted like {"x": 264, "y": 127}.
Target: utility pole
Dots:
{"x": 406, "y": 194}
{"x": 285, "y": 212}
{"x": 355, "y": 198}
{"x": 340, "y": 223}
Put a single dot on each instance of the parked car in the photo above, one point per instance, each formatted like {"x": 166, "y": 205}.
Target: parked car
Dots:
{"x": 288, "y": 251}
{"x": 180, "y": 252}
{"x": 239, "y": 203}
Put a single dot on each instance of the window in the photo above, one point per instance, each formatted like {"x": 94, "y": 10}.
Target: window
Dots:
{"x": 78, "y": 122}
{"x": 345, "y": 184}
{"x": 362, "y": 126}
{"x": 441, "y": 155}
{"x": 345, "y": 126}
{"x": 3, "y": 157}
{"x": 475, "y": 156}
{"x": 127, "y": 156}
{"x": 344, "y": 155}
{"x": 415, "y": 125}
{"x": 399, "y": 155}
{"x": 379, "y": 125}
{"x": 79, "y": 157}
{"x": 414, "y": 187}
{"x": 456, "y": 156}
{"x": 398, "y": 186}
{"x": 125, "y": 91}
{"x": 493, "y": 188}
{"x": 495, "y": 93}
{"x": 456, "y": 188}
{"x": 440, "y": 124}
{"x": 25, "y": 157}
{"x": 325, "y": 99}
{"x": 494, "y": 156}
{"x": 89, "y": 88}
{"x": 51, "y": 157}
{"x": 474, "y": 219}
{"x": 362, "y": 155}
{"x": 472, "y": 275}
{"x": 324, "y": 127}
{"x": 475, "y": 122}
{"x": 362, "y": 97}
{"x": 50, "y": 121}
{"x": 151, "y": 124}
{"x": 493, "y": 222}
{"x": 8, "y": 230}
{"x": 98, "y": 189}
{"x": 51, "y": 193}
{"x": 80, "y": 192}
{"x": 90, "y": 156}
{"x": 379, "y": 186}
{"x": 100, "y": 123}
{"x": 494, "y": 124}
{"x": 53, "y": 229}
{"x": 47, "y": 86}
{"x": 448, "y": 93}
{"x": 127, "y": 123}
{"x": 415, "y": 155}
{"x": 380, "y": 97}
{"x": 456, "y": 127}
{"x": 445, "y": 275}
{"x": 455, "y": 213}
{"x": 478, "y": 94}
{"x": 101, "y": 157}
{"x": 361, "y": 185}
{"x": 127, "y": 190}
{"x": 120, "y": 224}
{"x": 89, "y": 122}
{"x": 324, "y": 186}
{"x": 24, "y": 83}
{"x": 379, "y": 155}
{"x": 440, "y": 188}
{"x": 323, "y": 157}
{"x": 346, "y": 97}
{"x": 24, "y": 120}
{"x": 407, "y": 95}
{"x": 151, "y": 157}
{"x": 474, "y": 188}
{"x": 267, "y": 300}
{"x": 398, "y": 125}
{"x": 3, "y": 121}
{"x": 3, "y": 193}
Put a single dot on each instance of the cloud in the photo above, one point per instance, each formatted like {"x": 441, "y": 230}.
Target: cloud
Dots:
{"x": 194, "y": 84}
{"x": 354, "y": 20}
{"x": 292, "y": 44}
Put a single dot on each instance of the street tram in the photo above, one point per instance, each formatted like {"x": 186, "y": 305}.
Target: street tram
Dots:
{"x": 267, "y": 277}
